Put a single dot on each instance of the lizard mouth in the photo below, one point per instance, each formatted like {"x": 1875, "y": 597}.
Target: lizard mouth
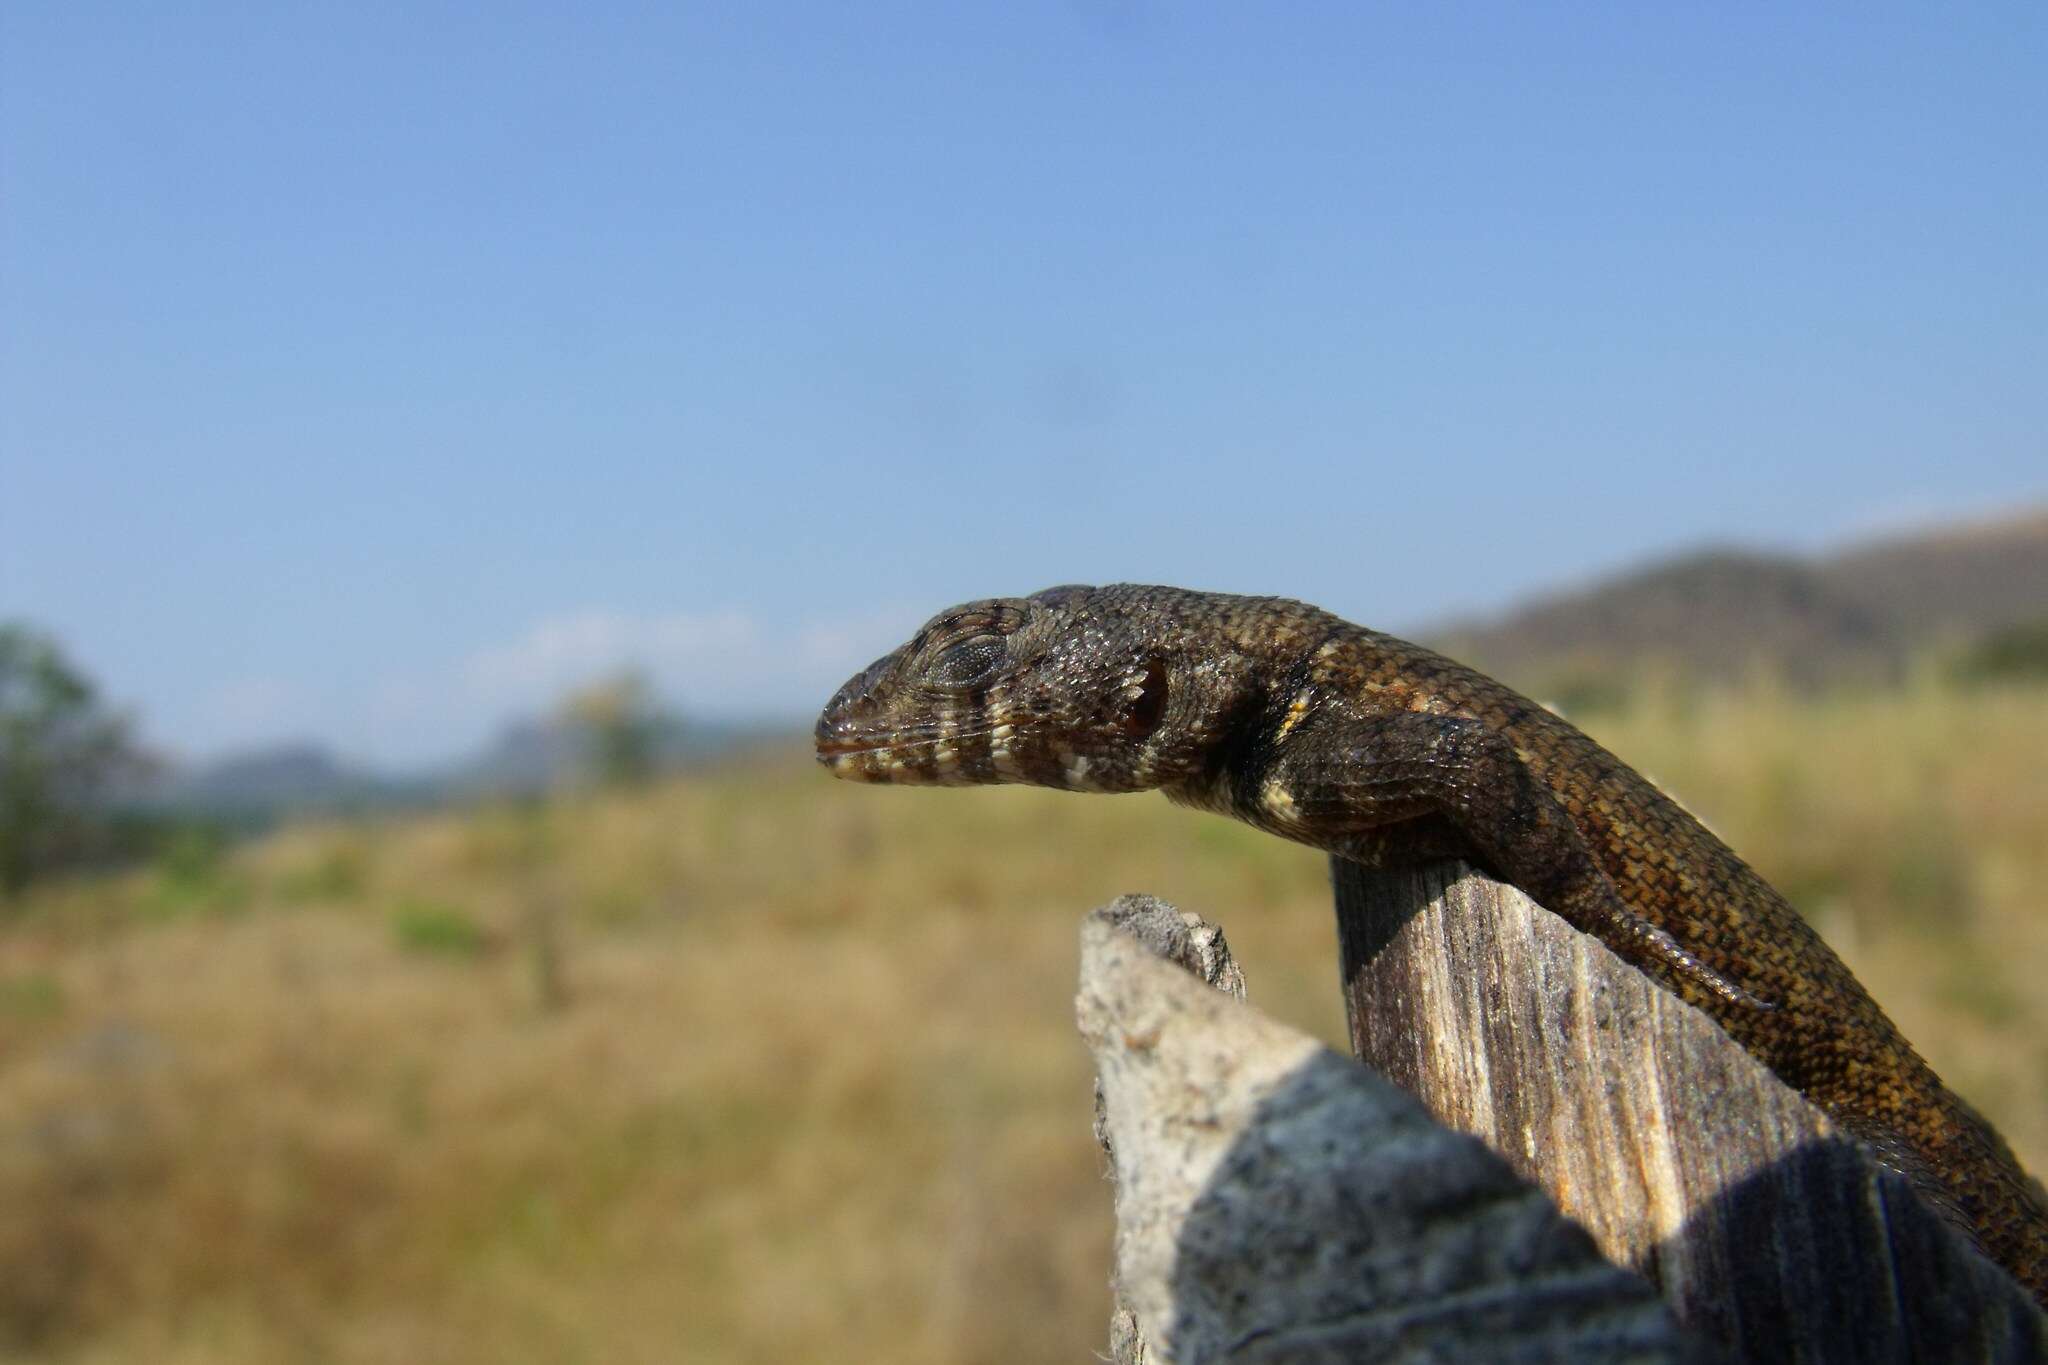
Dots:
{"x": 855, "y": 762}
{"x": 837, "y": 742}
{"x": 858, "y": 759}
{"x": 959, "y": 759}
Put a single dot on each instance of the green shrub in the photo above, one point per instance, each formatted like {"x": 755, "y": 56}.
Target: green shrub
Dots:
{"x": 31, "y": 995}
{"x": 61, "y": 753}
{"x": 437, "y": 929}
{"x": 2014, "y": 654}
{"x": 192, "y": 874}
{"x": 337, "y": 872}
{"x": 1579, "y": 695}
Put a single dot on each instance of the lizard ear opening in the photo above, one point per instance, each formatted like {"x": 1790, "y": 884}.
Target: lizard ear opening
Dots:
{"x": 1148, "y": 700}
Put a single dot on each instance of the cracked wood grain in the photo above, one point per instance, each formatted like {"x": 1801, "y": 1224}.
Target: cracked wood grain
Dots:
{"x": 1762, "y": 1224}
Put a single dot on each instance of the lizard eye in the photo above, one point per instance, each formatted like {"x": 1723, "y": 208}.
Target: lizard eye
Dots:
{"x": 969, "y": 663}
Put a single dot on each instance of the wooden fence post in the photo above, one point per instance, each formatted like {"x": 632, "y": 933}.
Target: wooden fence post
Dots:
{"x": 1764, "y": 1228}
{"x": 1277, "y": 1202}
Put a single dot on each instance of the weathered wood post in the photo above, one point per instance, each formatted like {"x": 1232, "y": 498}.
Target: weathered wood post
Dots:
{"x": 1276, "y": 1201}
{"x": 1763, "y": 1227}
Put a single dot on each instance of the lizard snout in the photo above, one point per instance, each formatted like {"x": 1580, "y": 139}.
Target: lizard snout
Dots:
{"x": 852, "y": 729}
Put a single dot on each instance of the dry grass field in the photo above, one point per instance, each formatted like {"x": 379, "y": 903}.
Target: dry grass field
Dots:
{"x": 756, "y": 1066}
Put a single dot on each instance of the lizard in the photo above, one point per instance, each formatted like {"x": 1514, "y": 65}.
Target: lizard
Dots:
{"x": 1374, "y": 749}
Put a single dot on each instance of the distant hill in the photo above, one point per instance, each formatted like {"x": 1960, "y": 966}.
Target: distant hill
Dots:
{"x": 256, "y": 788}
{"x": 1727, "y": 614}
{"x": 1952, "y": 583}
{"x": 533, "y": 755}
{"x": 261, "y": 784}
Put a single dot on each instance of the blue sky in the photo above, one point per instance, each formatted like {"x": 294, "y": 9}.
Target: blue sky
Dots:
{"x": 375, "y": 372}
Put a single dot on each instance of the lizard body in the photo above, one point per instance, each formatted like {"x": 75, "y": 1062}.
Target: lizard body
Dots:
{"x": 1374, "y": 749}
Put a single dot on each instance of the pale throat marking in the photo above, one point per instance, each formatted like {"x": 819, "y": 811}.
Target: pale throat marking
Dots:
{"x": 999, "y": 752}
{"x": 1278, "y": 802}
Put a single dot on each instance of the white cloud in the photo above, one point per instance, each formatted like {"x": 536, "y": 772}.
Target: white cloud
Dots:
{"x": 719, "y": 663}
{"x": 725, "y": 662}
{"x": 557, "y": 654}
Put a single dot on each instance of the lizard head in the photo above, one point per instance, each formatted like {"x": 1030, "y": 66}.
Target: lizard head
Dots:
{"x": 1081, "y": 688}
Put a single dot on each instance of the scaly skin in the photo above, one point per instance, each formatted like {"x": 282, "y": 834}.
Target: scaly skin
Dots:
{"x": 1375, "y": 749}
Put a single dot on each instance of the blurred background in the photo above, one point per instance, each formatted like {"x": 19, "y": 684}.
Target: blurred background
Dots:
{"x": 448, "y": 454}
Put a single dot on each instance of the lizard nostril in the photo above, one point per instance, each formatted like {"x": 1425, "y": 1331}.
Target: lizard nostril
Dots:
{"x": 852, "y": 710}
